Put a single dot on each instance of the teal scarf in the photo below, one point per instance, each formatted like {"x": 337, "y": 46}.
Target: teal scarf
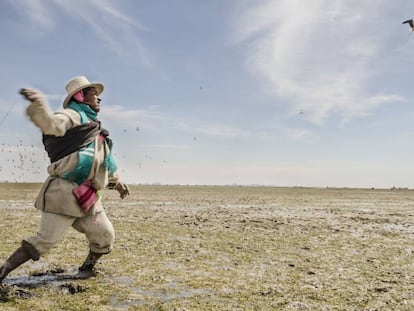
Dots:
{"x": 84, "y": 111}
{"x": 87, "y": 153}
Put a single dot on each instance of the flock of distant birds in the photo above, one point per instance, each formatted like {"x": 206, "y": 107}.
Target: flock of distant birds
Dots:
{"x": 21, "y": 162}
{"x": 28, "y": 162}
{"x": 24, "y": 162}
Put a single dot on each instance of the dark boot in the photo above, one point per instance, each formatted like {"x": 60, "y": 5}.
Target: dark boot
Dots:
{"x": 90, "y": 261}
{"x": 19, "y": 257}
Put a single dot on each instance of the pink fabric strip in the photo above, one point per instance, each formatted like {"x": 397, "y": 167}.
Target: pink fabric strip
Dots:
{"x": 79, "y": 96}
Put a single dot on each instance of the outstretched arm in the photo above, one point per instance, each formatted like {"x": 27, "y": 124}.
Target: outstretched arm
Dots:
{"x": 42, "y": 117}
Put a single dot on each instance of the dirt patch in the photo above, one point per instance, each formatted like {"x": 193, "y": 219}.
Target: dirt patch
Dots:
{"x": 72, "y": 288}
{"x": 8, "y": 293}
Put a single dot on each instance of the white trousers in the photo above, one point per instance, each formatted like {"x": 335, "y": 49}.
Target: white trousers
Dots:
{"x": 97, "y": 229}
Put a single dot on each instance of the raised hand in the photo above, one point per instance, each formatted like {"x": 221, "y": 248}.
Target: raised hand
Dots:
{"x": 31, "y": 95}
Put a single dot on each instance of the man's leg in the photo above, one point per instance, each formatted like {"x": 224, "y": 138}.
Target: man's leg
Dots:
{"x": 52, "y": 228}
{"x": 100, "y": 233}
{"x": 19, "y": 257}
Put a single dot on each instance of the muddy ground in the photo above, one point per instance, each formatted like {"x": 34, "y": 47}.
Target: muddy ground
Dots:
{"x": 224, "y": 248}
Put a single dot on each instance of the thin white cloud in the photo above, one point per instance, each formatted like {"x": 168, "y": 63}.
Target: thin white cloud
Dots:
{"x": 38, "y": 13}
{"x": 223, "y": 131}
{"x": 211, "y": 129}
{"x": 147, "y": 118}
{"x": 113, "y": 27}
{"x": 116, "y": 29}
{"x": 319, "y": 56}
{"x": 166, "y": 146}
{"x": 154, "y": 119}
{"x": 297, "y": 133}
{"x": 118, "y": 15}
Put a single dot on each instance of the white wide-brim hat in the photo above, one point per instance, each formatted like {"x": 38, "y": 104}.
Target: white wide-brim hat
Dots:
{"x": 78, "y": 83}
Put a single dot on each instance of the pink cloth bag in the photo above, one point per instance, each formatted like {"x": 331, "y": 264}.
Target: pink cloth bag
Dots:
{"x": 86, "y": 195}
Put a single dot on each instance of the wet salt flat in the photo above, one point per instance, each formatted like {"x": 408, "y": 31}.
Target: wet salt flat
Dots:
{"x": 229, "y": 248}
{"x": 15, "y": 204}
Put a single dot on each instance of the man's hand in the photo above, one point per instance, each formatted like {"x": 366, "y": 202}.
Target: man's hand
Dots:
{"x": 32, "y": 95}
{"x": 122, "y": 189}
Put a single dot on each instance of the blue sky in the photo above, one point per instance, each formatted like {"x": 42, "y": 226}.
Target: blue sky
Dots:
{"x": 281, "y": 92}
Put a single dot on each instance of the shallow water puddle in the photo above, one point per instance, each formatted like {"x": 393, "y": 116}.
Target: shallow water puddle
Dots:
{"x": 142, "y": 296}
{"x": 15, "y": 287}
{"x": 50, "y": 277}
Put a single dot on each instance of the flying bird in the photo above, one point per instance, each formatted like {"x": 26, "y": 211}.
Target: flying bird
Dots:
{"x": 410, "y": 23}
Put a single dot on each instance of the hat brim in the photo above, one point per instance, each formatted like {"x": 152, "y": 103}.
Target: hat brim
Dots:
{"x": 98, "y": 87}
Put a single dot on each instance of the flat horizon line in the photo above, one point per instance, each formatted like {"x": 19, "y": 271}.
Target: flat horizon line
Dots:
{"x": 233, "y": 185}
